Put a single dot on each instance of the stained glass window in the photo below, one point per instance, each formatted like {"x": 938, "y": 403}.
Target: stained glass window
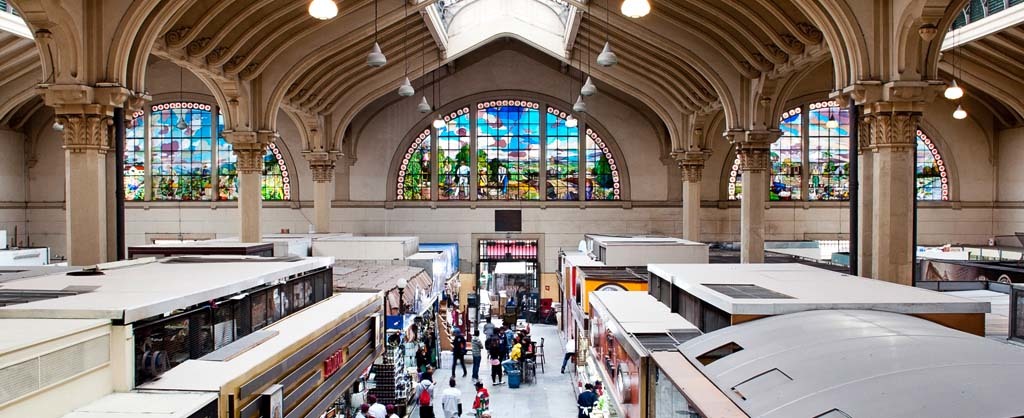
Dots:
{"x": 134, "y": 164}
{"x": 181, "y": 151}
{"x": 787, "y": 158}
{"x": 602, "y": 181}
{"x": 563, "y": 157}
{"x": 275, "y": 182}
{"x": 735, "y": 191}
{"x": 454, "y": 156}
{"x": 931, "y": 173}
{"x": 508, "y": 150}
{"x": 828, "y": 154}
{"x": 414, "y": 176}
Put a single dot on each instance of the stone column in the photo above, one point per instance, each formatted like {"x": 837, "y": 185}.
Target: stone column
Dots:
{"x": 893, "y": 142}
{"x": 865, "y": 198}
{"x": 321, "y": 164}
{"x": 691, "y": 166}
{"x": 86, "y": 142}
{"x": 755, "y": 157}
{"x": 250, "y": 148}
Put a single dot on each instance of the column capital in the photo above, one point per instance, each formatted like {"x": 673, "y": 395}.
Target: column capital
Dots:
{"x": 321, "y": 164}
{"x": 83, "y": 99}
{"x": 249, "y": 147}
{"x": 896, "y": 130}
{"x": 691, "y": 163}
{"x": 84, "y": 132}
{"x": 753, "y": 148}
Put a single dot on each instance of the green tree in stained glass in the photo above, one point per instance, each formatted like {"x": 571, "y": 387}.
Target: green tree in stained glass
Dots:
{"x": 603, "y": 173}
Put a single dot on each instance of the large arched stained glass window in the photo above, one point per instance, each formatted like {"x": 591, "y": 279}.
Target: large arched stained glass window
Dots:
{"x": 134, "y": 164}
{"x": 787, "y": 155}
{"x": 275, "y": 184}
{"x": 931, "y": 172}
{"x": 508, "y": 150}
{"x": 181, "y": 151}
{"x": 563, "y": 157}
{"x": 602, "y": 170}
{"x": 414, "y": 177}
{"x": 828, "y": 157}
{"x": 454, "y": 156}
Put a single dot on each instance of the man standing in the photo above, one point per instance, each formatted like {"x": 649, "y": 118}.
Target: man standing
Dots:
{"x": 459, "y": 352}
{"x": 477, "y": 348}
{"x": 425, "y": 398}
{"x": 570, "y": 353}
{"x": 451, "y": 400}
{"x": 586, "y": 401}
{"x": 377, "y": 410}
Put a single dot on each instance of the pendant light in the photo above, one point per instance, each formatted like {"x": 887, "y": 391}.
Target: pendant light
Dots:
{"x": 571, "y": 122}
{"x": 424, "y": 106}
{"x": 607, "y": 57}
{"x": 323, "y": 9}
{"x": 375, "y": 58}
{"x": 588, "y": 89}
{"x": 57, "y": 126}
{"x": 635, "y": 8}
{"x": 406, "y": 90}
{"x": 580, "y": 106}
{"x": 181, "y": 125}
{"x": 959, "y": 113}
{"x": 438, "y": 122}
{"x": 832, "y": 122}
{"x": 953, "y": 92}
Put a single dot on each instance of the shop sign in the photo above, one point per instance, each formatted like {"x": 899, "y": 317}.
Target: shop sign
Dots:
{"x": 272, "y": 402}
{"x": 333, "y": 363}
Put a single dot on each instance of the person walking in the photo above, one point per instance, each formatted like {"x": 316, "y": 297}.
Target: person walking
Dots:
{"x": 477, "y": 348}
{"x": 482, "y": 400}
{"x": 570, "y": 353}
{"x": 494, "y": 355}
{"x": 425, "y": 398}
{"x": 489, "y": 329}
{"x": 585, "y": 402}
{"x": 459, "y": 351}
{"x": 451, "y": 400}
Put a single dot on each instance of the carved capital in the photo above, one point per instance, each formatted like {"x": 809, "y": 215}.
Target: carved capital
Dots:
{"x": 691, "y": 164}
{"x": 864, "y": 133}
{"x": 754, "y": 157}
{"x": 86, "y": 132}
{"x": 895, "y": 130}
{"x": 322, "y": 164}
{"x": 250, "y": 148}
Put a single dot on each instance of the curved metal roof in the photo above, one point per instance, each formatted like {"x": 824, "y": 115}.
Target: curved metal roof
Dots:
{"x": 862, "y": 363}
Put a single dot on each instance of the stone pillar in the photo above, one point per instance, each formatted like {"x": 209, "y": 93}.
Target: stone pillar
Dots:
{"x": 86, "y": 142}
{"x": 250, "y": 148}
{"x": 691, "y": 166}
{"x": 321, "y": 164}
{"x": 755, "y": 157}
{"x": 893, "y": 142}
{"x": 865, "y": 198}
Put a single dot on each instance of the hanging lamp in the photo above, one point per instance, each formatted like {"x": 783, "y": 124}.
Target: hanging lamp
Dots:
{"x": 635, "y": 8}
{"x": 571, "y": 122}
{"x": 588, "y": 89}
{"x": 406, "y": 90}
{"x": 607, "y": 57}
{"x": 424, "y": 106}
{"x": 323, "y": 9}
{"x": 57, "y": 126}
{"x": 375, "y": 58}
{"x": 832, "y": 123}
{"x": 580, "y": 106}
{"x": 953, "y": 92}
{"x": 959, "y": 113}
{"x": 181, "y": 125}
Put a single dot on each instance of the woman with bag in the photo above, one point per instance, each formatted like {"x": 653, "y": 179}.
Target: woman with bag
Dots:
{"x": 494, "y": 355}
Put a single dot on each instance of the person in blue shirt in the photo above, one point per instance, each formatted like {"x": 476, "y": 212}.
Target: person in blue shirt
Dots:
{"x": 585, "y": 402}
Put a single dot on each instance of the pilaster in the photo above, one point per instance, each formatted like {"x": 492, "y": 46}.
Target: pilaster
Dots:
{"x": 691, "y": 166}
{"x": 322, "y": 166}
{"x": 893, "y": 142}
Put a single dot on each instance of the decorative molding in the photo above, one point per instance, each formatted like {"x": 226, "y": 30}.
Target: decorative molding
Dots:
{"x": 86, "y": 132}
{"x": 321, "y": 165}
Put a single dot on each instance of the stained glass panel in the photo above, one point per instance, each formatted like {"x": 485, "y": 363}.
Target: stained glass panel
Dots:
{"x": 735, "y": 191}
{"x": 414, "y": 175}
{"x": 563, "y": 157}
{"x": 275, "y": 182}
{"x": 508, "y": 150}
{"x": 931, "y": 174}
{"x": 134, "y": 164}
{"x": 454, "y": 157}
{"x": 181, "y": 151}
{"x": 828, "y": 155}
{"x": 787, "y": 158}
{"x": 227, "y": 172}
{"x": 602, "y": 181}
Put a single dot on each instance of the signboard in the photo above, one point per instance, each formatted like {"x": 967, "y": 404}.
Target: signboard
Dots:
{"x": 272, "y": 402}
{"x": 333, "y": 363}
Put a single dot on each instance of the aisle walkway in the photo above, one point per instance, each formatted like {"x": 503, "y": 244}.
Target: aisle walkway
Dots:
{"x": 550, "y": 396}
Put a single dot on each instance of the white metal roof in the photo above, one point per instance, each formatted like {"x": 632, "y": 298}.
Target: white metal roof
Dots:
{"x": 580, "y": 259}
{"x": 640, "y": 313}
{"x": 218, "y": 243}
{"x": 203, "y": 375}
{"x": 145, "y": 404}
{"x": 809, "y": 287}
{"x": 350, "y": 238}
{"x": 863, "y": 363}
{"x": 640, "y": 240}
{"x": 141, "y": 291}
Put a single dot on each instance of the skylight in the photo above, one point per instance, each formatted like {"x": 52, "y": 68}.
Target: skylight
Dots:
{"x": 463, "y": 25}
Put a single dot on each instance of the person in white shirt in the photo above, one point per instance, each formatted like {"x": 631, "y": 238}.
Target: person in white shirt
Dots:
{"x": 391, "y": 411}
{"x": 451, "y": 400}
{"x": 376, "y": 409}
{"x": 570, "y": 353}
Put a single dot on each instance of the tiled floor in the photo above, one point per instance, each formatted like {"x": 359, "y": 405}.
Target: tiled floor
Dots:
{"x": 550, "y": 396}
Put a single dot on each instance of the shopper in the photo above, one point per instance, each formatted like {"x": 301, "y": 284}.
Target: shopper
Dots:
{"x": 451, "y": 400}
{"x": 482, "y": 401}
{"x": 391, "y": 411}
{"x": 488, "y": 328}
{"x": 363, "y": 412}
{"x": 422, "y": 359}
{"x": 477, "y": 348}
{"x": 585, "y": 402}
{"x": 425, "y": 398}
{"x": 459, "y": 351}
{"x": 503, "y": 347}
{"x": 376, "y": 409}
{"x": 494, "y": 355}
{"x": 570, "y": 353}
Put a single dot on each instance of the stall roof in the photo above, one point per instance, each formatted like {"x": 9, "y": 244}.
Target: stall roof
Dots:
{"x": 642, "y": 318}
{"x": 860, "y": 363}
{"x": 580, "y": 259}
{"x": 11, "y": 273}
{"x": 775, "y": 289}
{"x": 144, "y": 290}
{"x": 211, "y": 243}
{"x": 388, "y": 238}
{"x": 701, "y": 393}
{"x": 380, "y": 275}
{"x": 635, "y": 273}
{"x": 610, "y": 240}
{"x": 21, "y": 333}
{"x": 207, "y": 375}
{"x": 145, "y": 404}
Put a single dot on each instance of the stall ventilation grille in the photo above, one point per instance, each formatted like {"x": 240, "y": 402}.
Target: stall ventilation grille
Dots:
{"x": 31, "y": 375}
{"x": 746, "y": 291}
